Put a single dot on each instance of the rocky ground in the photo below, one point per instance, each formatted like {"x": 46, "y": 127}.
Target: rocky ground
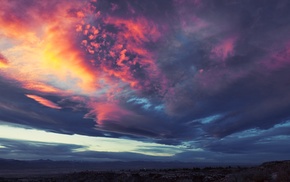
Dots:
{"x": 267, "y": 172}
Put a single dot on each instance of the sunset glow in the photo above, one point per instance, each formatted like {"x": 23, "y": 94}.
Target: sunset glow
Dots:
{"x": 169, "y": 79}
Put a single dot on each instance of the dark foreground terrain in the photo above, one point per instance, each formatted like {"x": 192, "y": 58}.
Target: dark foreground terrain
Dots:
{"x": 278, "y": 171}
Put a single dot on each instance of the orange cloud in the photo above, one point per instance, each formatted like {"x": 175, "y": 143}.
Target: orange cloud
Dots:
{"x": 43, "y": 101}
{"x": 44, "y": 49}
{"x": 128, "y": 52}
{"x": 138, "y": 30}
{"x": 43, "y": 88}
{"x": 23, "y": 23}
{"x": 3, "y": 61}
{"x": 66, "y": 61}
{"x": 60, "y": 56}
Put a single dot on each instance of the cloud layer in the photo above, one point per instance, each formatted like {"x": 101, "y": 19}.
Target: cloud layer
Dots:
{"x": 187, "y": 73}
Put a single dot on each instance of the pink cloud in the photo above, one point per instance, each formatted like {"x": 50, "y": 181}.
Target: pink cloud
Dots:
{"x": 110, "y": 116}
{"x": 224, "y": 48}
{"x": 278, "y": 59}
{"x": 43, "y": 101}
{"x": 107, "y": 111}
{"x": 3, "y": 61}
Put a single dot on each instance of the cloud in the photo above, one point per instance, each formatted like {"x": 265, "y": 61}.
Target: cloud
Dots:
{"x": 170, "y": 72}
{"x": 3, "y": 61}
{"x": 43, "y": 101}
{"x": 254, "y": 141}
{"x": 85, "y": 147}
{"x": 224, "y": 49}
{"x": 43, "y": 88}
{"x": 27, "y": 150}
{"x": 37, "y": 45}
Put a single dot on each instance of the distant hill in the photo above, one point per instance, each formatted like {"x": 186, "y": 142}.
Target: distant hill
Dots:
{"x": 9, "y": 166}
{"x": 47, "y": 170}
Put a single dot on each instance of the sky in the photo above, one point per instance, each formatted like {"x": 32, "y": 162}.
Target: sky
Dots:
{"x": 155, "y": 80}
